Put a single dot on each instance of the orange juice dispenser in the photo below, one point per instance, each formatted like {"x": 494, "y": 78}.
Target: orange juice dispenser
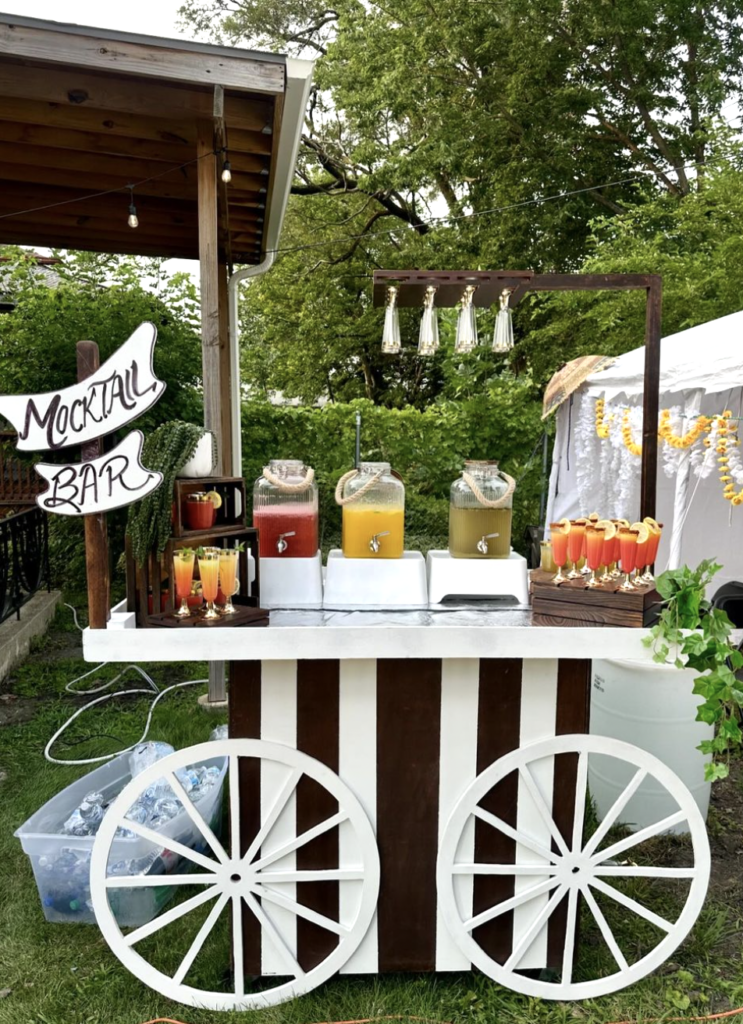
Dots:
{"x": 285, "y": 513}
{"x": 479, "y": 563}
{"x": 372, "y": 569}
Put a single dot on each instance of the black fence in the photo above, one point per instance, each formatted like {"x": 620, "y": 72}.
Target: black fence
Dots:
{"x": 24, "y": 559}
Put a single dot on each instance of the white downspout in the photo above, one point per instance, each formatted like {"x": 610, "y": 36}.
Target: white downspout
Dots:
{"x": 233, "y": 294}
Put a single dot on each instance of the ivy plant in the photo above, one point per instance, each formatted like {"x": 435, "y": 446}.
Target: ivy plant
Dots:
{"x": 691, "y": 633}
{"x": 166, "y": 450}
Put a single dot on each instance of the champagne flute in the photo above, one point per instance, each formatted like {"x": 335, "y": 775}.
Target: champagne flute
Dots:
{"x": 209, "y": 572}
{"x": 575, "y": 546}
{"x": 594, "y": 552}
{"x": 627, "y": 553}
{"x": 228, "y": 577}
{"x": 559, "y": 537}
{"x": 183, "y": 564}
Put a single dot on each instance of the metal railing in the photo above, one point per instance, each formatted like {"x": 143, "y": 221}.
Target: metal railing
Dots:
{"x": 24, "y": 558}
{"x": 19, "y": 483}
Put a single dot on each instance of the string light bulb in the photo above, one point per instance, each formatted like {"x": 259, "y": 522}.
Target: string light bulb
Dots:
{"x": 133, "y": 220}
{"x": 391, "y": 343}
{"x": 226, "y": 172}
{"x": 503, "y": 334}
{"x": 466, "y": 336}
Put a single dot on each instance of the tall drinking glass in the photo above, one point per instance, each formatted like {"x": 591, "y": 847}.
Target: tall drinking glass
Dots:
{"x": 228, "y": 558}
{"x": 183, "y": 562}
{"x": 575, "y": 547}
{"x": 627, "y": 554}
{"x": 652, "y": 552}
{"x": 209, "y": 572}
{"x": 559, "y": 539}
{"x": 594, "y": 552}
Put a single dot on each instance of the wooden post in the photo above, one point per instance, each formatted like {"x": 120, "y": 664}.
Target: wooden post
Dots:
{"x": 650, "y": 398}
{"x": 96, "y": 533}
{"x": 209, "y": 275}
{"x": 225, "y": 374}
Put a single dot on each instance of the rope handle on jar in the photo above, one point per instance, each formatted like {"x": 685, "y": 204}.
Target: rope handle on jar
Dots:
{"x": 281, "y": 485}
{"x": 350, "y": 475}
{"x": 499, "y": 502}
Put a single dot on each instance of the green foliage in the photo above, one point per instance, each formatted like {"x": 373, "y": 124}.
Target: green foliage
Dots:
{"x": 428, "y": 447}
{"x": 698, "y": 637}
{"x": 150, "y": 521}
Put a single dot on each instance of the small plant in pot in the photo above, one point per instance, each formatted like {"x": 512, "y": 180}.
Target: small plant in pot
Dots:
{"x": 167, "y": 450}
{"x": 692, "y": 634}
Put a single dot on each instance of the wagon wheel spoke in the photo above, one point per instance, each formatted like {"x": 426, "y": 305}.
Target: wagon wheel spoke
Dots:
{"x": 605, "y": 930}
{"x": 300, "y": 910}
{"x": 290, "y": 961}
{"x": 533, "y": 930}
{"x": 235, "y": 838}
{"x": 302, "y": 840}
{"x": 196, "y": 817}
{"x": 514, "y": 901}
{"x": 579, "y": 812}
{"x": 512, "y": 833}
{"x": 639, "y": 837}
{"x": 633, "y": 905}
{"x": 567, "y": 956}
{"x": 308, "y": 875}
{"x": 203, "y": 934}
{"x": 163, "y": 841}
{"x": 238, "y": 965}
{"x": 632, "y": 871}
{"x": 156, "y": 881}
{"x": 612, "y": 815}
{"x": 282, "y": 799}
{"x": 541, "y": 806}
{"x": 169, "y": 916}
{"x": 504, "y": 869}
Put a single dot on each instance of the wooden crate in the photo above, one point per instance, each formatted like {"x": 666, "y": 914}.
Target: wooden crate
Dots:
{"x": 144, "y": 583}
{"x": 574, "y": 604}
{"x": 230, "y": 517}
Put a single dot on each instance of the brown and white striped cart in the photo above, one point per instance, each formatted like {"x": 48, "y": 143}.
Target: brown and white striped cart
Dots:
{"x": 409, "y": 792}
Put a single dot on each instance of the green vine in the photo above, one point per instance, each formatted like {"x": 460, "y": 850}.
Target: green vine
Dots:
{"x": 166, "y": 450}
{"x": 700, "y": 638}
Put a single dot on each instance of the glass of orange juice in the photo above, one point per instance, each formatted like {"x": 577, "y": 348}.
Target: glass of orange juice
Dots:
{"x": 559, "y": 533}
{"x": 594, "y": 552}
{"x": 183, "y": 563}
{"x": 209, "y": 572}
{"x": 228, "y": 577}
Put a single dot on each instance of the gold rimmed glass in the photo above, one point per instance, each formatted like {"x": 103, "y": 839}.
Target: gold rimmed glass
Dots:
{"x": 575, "y": 547}
{"x": 627, "y": 555}
{"x": 228, "y": 561}
{"x": 183, "y": 564}
{"x": 594, "y": 552}
{"x": 559, "y": 550}
{"x": 209, "y": 572}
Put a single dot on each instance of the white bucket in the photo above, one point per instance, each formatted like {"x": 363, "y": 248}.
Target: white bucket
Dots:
{"x": 653, "y": 707}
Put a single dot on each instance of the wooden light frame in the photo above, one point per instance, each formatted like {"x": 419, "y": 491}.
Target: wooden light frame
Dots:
{"x": 450, "y": 284}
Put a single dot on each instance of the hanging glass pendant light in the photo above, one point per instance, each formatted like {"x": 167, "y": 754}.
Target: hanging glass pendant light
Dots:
{"x": 503, "y": 334}
{"x": 391, "y": 343}
{"x": 428, "y": 337}
{"x": 466, "y": 336}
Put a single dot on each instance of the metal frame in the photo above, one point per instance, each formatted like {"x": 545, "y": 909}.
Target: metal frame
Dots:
{"x": 490, "y": 284}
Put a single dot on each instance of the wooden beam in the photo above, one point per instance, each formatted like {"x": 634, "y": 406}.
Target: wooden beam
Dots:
{"x": 246, "y": 187}
{"x": 96, "y": 529}
{"x": 120, "y": 94}
{"x": 171, "y": 151}
{"x": 168, "y": 187}
{"x": 209, "y": 276}
{"x": 588, "y": 282}
{"x": 74, "y": 236}
{"x": 651, "y": 397}
{"x": 225, "y": 372}
{"x": 107, "y": 51}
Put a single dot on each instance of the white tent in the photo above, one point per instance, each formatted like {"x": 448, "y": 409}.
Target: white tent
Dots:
{"x": 701, "y": 372}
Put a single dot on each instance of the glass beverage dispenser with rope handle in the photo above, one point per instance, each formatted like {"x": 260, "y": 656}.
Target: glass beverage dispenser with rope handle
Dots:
{"x": 285, "y": 510}
{"x": 373, "y": 503}
{"x": 481, "y": 502}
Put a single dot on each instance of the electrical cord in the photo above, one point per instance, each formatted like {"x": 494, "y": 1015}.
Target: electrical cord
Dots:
{"x": 69, "y": 688}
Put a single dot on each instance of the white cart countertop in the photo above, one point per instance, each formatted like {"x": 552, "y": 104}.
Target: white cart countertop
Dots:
{"x": 442, "y": 632}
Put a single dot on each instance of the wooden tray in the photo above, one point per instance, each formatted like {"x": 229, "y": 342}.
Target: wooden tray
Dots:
{"x": 243, "y": 616}
{"x": 574, "y": 604}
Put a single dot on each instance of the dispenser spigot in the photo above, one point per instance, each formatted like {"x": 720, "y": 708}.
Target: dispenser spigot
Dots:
{"x": 281, "y": 544}
{"x": 374, "y": 542}
{"x": 482, "y": 544}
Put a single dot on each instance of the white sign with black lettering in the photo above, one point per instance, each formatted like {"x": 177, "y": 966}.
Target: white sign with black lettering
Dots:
{"x": 117, "y": 393}
{"x": 111, "y": 481}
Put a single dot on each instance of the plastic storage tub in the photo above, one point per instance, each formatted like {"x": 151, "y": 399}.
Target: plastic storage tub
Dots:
{"x": 61, "y": 863}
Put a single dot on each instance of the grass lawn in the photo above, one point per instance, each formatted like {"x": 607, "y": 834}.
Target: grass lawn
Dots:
{"x": 65, "y": 974}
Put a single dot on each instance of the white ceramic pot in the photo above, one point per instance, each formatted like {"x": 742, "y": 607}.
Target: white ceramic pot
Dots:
{"x": 653, "y": 707}
{"x": 201, "y": 463}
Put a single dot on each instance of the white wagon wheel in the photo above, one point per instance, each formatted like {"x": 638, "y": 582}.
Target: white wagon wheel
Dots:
{"x": 234, "y": 882}
{"x": 572, "y": 870}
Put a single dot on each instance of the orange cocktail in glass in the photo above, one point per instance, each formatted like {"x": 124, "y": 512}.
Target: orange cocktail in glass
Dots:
{"x": 575, "y": 546}
{"x": 183, "y": 562}
{"x": 651, "y": 554}
{"x": 209, "y": 572}
{"x": 559, "y": 538}
{"x": 627, "y": 554}
{"x": 594, "y": 552}
{"x": 228, "y": 558}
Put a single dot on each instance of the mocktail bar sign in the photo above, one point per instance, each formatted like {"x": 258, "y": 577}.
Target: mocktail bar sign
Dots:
{"x": 112, "y": 396}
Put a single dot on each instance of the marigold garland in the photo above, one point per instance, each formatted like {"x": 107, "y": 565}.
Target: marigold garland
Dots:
{"x": 727, "y": 435}
{"x": 629, "y": 443}
{"x": 683, "y": 440}
{"x": 602, "y": 427}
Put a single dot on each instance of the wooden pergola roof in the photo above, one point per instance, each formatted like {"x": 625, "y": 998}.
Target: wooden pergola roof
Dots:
{"x": 84, "y": 111}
